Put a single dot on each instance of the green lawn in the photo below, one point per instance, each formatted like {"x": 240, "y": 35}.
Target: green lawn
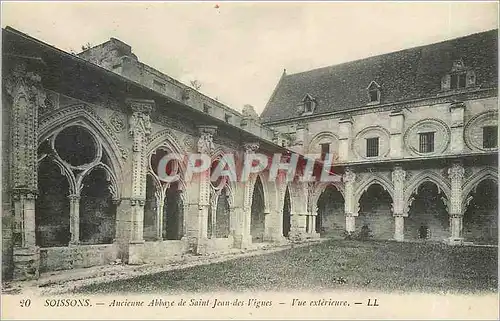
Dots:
{"x": 334, "y": 264}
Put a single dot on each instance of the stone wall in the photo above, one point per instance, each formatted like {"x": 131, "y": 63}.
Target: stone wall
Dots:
{"x": 73, "y": 257}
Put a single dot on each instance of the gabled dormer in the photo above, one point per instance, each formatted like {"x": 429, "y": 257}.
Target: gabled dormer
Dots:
{"x": 308, "y": 104}
{"x": 373, "y": 93}
{"x": 459, "y": 77}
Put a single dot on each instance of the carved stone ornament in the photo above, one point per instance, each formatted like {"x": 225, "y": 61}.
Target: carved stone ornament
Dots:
{"x": 206, "y": 140}
{"x": 19, "y": 79}
{"x": 251, "y": 147}
{"x": 117, "y": 122}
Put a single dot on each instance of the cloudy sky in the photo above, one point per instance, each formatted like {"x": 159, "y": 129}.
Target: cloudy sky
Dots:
{"x": 238, "y": 50}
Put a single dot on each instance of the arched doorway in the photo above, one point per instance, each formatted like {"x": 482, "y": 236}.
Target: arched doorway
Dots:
{"x": 480, "y": 221}
{"x": 257, "y": 220}
{"x": 330, "y": 220}
{"x": 287, "y": 208}
{"x": 375, "y": 212}
{"x": 428, "y": 217}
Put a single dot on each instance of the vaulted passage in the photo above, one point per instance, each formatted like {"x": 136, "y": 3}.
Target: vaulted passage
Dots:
{"x": 287, "y": 207}
{"x": 257, "y": 222}
{"x": 330, "y": 221}
{"x": 480, "y": 221}
{"x": 52, "y": 206}
{"x": 375, "y": 212}
{"x": 97, "y": 210}
{"x": 427, "y": 218}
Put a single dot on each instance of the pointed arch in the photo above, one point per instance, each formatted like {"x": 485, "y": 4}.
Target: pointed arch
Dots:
{"x": 164, "y": 138}
{"x": 472, "y": 182}
{"x": 319, "y": 188}
{"x": 427, "y": 176}
{"x": 84, "y": 116}
{"x": 374, "y": 179}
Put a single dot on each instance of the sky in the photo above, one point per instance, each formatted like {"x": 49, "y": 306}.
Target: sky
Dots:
{"x": 238, "y": 50}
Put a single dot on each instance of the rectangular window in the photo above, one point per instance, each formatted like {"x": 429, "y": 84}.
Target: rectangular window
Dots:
{"x": 426, "y": 142}
{"x": 372, "y": 147}
{"x": 206, "y": 108}
{"x": 458, "y": 81}
{"x": 325, "y": 149}
{"x": 227, "y": 117}
{"x": 490, "y": 136}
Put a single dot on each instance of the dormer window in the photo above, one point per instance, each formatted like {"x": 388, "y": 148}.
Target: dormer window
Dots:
{"x": 459, "y": 77}
{"x": 374, "y": 93}
{"x": 308, "y": 104}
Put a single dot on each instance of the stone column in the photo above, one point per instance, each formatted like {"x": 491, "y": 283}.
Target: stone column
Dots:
{"x": 456, "y": 174}
{"x": 398, "y": 203}
{"x": 27, "y": 96}
{"x": 74, "y": 218}
{"x": 345, "y": 127}
{"x": 299, "y": 215}
{"x": 312, "y": 211}
{"x": 350, "y": 206}
{"x": 205, "y": 146}
{"x": 139, "y": 130}
{"x": 160, "y": 201}
{"x": 396, "y": 130}
{"x": 457, "y": 127}
{"x": 242, "y": 235}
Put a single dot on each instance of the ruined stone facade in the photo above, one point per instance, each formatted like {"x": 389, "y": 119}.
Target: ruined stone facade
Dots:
{"x": 83, "y": 135}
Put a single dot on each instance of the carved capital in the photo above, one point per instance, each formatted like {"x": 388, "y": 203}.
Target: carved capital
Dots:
{"x": 206, "y": 140}
{"x": 18, "y": 193}
{"x": 139, "y": 121}
{"x": 20, "y": 80}
{"x": 456, "y": 172}
{"x": 137, "y": 202}
{"x": 74, "y": 197}
{"x": 349, "y": 175}
{"x": 398, "y": 175}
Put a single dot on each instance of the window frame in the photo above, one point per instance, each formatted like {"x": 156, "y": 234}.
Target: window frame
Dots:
{"x": 494, "y": 129}
{"x": 369, "y": 152}
{"x": 427, "y": 146}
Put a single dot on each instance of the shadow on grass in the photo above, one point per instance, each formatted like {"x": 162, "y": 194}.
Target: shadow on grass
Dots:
{"x": 334, "y": 264}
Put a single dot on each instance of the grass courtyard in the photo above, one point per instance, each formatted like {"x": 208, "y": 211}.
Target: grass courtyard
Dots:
{"x": 333, "y": 264}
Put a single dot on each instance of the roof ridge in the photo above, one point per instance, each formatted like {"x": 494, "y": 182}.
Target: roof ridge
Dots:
{"x": 390, "y": 53}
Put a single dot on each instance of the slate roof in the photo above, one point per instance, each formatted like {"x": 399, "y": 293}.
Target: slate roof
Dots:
{"x": 403, "y": 75}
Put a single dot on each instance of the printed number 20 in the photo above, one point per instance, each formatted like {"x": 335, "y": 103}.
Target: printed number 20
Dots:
{"x": 25, "y": 303}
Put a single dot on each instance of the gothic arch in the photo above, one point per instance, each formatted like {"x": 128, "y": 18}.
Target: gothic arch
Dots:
{"x": 265, "y": 190}
{"x": 320, "y": 188}
{"x": 83, "y": 116}
{"x": 374, "y": 179}
{"x": 114, "y": 187}
{"x": 471, "y": 184}
{"x": 427, "y": 176}
{"x": 72, "y": 182}
{"x": 164, "y": 138}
